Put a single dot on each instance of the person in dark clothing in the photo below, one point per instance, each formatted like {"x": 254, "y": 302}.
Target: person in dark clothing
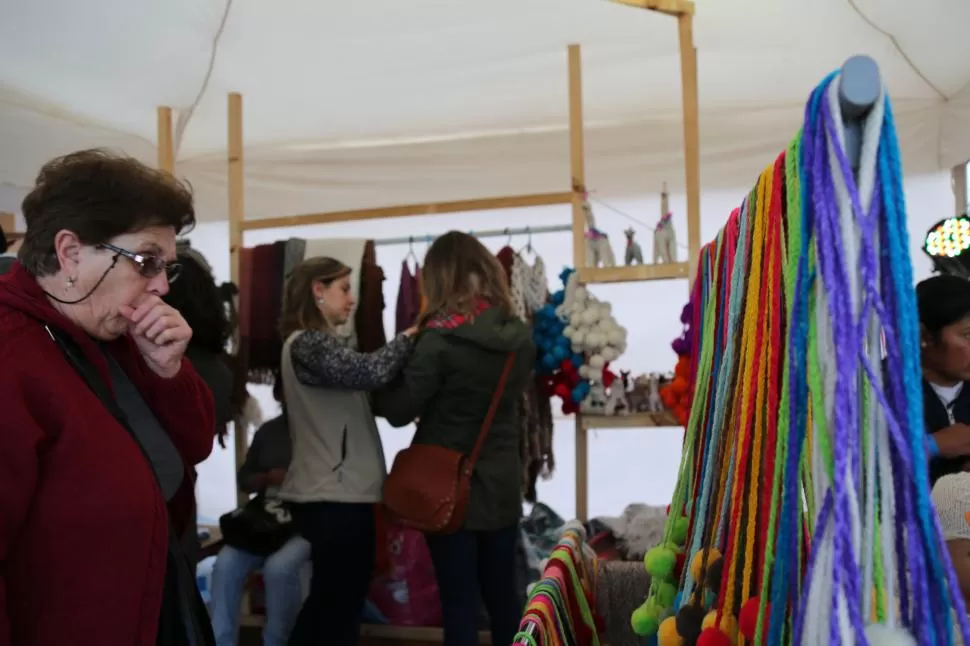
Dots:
{"x": 944, "y": 314}
{"x": 468, "y": 329}
{"x": 266, "y": 463}
{"x": 8, "y": 251}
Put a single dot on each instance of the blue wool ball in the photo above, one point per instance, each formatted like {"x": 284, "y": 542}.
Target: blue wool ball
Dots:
{"x": 578, "y": 360}
{"x": 559, "y": 353}
{"x": 549, "y": 362}
{"x": 558, "y": 297}
{"x": 577, "y": 395}
{"x": 563, "y": 342}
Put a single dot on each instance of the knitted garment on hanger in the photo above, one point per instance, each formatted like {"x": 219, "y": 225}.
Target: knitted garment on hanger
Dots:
{"x": 408, "y": 298}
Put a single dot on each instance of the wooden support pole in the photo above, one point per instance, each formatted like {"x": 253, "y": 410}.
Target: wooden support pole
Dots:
{"x": 577, "y": 155}
{"x": 237, "y": 216}
{"x": 166, "y": 144}
{"x": 959, "y": 182}
{"x": 692, "y": 139}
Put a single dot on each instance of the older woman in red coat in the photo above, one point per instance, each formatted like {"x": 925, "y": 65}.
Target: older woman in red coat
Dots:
{"x": 101, "y": 417}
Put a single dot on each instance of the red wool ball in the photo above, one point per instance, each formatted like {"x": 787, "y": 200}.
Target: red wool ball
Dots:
{"x": 713, "y": 637}
{"x": 748, "y": 617}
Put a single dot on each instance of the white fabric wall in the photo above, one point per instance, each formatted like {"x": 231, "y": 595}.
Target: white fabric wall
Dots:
{"x": 624, "y": 465}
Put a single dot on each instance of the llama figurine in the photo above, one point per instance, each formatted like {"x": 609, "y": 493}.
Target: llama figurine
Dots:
{"x": 595, "y": 402}
{"x": 664, "y": 236}
{"x": 633, "y": 252}
{"x": 616, "y": 401}
{"x": 598, "y": 250}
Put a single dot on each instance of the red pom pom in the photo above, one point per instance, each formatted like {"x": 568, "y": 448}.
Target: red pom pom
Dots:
{"x": 668, "y": 510}
{"x": 748, "y": 617}
{"x": 679, "y": 564}
{"x": 713, "y": 637}
{"x": 565, "y": 365}
{"x": 561, "y": 391}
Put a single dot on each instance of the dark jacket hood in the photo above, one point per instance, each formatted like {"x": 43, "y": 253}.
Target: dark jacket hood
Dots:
{"x": 494, "y": 330}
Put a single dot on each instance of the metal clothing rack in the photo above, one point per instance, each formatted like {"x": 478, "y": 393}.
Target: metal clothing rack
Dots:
{"x": 490, "y": 233}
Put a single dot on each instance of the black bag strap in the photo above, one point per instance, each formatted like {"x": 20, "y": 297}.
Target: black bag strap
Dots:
{"x": 185, "y": 588}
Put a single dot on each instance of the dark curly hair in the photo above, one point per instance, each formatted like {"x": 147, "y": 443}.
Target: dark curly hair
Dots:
{"x": 98, "y": 195}
{"x": 200, "y": 301}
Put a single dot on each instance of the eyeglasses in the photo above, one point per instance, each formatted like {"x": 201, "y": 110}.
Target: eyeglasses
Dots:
{"x": 149, "y": 265}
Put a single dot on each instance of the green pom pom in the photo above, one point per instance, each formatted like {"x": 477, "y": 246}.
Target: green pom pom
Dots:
{"x": 678, "y": 530}
{"x": 646, "y": 619}
{"x": 666, "y": 593}
{"x": 660, "y": 562}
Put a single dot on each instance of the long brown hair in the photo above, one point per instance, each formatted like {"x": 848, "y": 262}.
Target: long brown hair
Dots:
{"x": 300, "y": 311}
{"x": 459, "y": 271}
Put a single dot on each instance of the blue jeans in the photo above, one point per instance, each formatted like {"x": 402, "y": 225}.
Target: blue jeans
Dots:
{"x": 284, "y": 595}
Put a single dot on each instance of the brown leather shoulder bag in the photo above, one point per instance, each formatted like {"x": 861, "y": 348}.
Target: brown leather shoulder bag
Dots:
{"x": 428, "y": 486}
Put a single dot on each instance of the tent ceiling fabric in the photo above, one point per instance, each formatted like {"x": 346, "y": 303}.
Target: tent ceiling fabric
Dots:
{"x": 358, "y": 104}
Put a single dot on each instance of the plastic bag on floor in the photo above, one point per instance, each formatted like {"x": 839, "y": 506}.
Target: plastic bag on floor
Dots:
{"x": 407, "y": 595}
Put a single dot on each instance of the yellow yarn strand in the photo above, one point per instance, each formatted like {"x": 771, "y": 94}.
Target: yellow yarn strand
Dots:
{"x": 747, "y": 344}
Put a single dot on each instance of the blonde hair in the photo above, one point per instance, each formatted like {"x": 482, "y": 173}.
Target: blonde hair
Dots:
{"x": 300, "y": 311}
{"x": 459, "y": 271}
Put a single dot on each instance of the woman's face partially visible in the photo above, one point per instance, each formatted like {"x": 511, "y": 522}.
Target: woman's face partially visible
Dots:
{"x": 125, "y": 283}
{"x": 948, "y": 354}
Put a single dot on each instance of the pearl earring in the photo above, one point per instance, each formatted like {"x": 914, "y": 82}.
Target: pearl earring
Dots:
{"x": 70, "y": 281}
{"x": 320, "y": 301}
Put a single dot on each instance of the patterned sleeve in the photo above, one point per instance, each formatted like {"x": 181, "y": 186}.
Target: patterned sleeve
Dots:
{"x": 320, "y": 359}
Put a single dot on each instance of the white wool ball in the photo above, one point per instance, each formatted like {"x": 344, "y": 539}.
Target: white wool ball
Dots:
{"x": 569, "y": 331}
{"x": 607, "y": 308}
{"x": 576, "y": 319}
{"x": 577, "y": 348}
{"x": 884, "y": 635}
{"x": 610, "y": 354}
{"x": 590, "y": 316}
{"x": 605, "y": 325}
{"x": 584, "y": 371}
{"x": 596, "y": 362}
{"x": 578, "y": 337}
{"x": 595, "y": 340}
{"x": 615, "y": 337}
{"x": 580, "y": 294}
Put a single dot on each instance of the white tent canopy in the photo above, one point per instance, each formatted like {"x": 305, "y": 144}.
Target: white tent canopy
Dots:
{"x": 370, "y": 102}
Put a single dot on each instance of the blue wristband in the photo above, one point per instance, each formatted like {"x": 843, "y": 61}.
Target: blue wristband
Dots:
{"x": 932, "y": 447}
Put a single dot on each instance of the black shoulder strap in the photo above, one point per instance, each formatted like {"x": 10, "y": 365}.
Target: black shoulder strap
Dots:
{"x": 185, "y": 585}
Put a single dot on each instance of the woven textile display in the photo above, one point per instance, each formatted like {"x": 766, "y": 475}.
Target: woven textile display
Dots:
{"x": 802, "y": 512}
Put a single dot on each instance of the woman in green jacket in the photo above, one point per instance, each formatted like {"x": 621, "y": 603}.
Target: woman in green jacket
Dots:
{"x": 467, "y": 331}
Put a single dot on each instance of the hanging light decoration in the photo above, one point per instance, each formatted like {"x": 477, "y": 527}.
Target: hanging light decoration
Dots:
{"x": 947, "y": 243}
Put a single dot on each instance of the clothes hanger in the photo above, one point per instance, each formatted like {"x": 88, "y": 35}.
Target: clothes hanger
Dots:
{"x": 528, "y": 249}
{"x": 411, "y": 255}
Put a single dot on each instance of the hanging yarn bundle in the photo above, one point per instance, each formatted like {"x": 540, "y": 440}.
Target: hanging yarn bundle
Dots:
{"x": 801, "y": 513}
{"x": 555, "y": 358}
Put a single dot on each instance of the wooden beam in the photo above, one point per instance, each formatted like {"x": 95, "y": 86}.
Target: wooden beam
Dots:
{"x": 407, "y": 210}
{"x": 237, "y": 218}
{"x": 635, "y": 273}
{"x": 692, "y": 139}
{"x": 577, "y": 155}
{"x": 676, "y": 8}
{"x": 166, "y": 143}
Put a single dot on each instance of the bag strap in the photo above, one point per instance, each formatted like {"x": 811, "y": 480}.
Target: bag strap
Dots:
{"x": 89, "y": 374}
{"x": 493, "y": 407}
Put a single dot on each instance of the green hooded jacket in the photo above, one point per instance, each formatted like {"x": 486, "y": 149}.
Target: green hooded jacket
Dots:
{"x": 448, "y": 385}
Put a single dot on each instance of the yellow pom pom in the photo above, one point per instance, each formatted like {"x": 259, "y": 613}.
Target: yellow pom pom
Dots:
{"x": 728, "y": 624}
{"x": 667, "y": 635}
{"x": 710, "y": 555}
